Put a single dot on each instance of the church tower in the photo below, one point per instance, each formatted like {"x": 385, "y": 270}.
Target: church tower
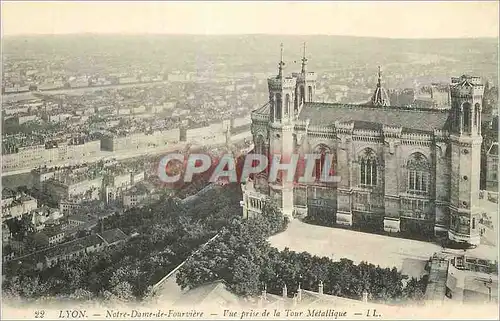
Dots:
{"x": 281, "y": 142}
{"x": 465, "y": 139}
{"x": 306, "y": 83}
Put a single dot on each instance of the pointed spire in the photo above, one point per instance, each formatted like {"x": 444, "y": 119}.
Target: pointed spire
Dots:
{"x": 380, "y": 97}
{"x": 281, "y": 64}
{"x": 304, "y": 60}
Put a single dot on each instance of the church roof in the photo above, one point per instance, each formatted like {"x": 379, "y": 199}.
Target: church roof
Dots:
{"x": 366, "y": 117}
{"x": 263, "y": 110}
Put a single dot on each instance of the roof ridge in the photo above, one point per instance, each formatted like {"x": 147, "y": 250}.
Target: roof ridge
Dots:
{"x": 399, "y": 108}
{"x": 102, "y": 238}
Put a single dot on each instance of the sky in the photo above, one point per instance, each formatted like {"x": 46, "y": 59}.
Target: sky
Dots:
{"x": 396, "y": 19}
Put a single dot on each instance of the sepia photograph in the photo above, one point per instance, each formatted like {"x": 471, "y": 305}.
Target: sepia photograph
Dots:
{"x": 249, "y": 160}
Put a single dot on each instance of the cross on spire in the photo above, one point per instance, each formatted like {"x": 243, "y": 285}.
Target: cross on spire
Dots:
{"x": 304, "y": 60}
{"x": 379, "y": 83}
{"x": 281, "y": 64}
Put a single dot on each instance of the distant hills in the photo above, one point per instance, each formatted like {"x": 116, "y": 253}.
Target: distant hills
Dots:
{"x": 250, "y": 52}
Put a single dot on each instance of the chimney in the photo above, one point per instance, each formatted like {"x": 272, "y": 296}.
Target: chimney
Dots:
{"x": 365, "y": 296}
{"x": 320, "y": 287}
{"x": 299, "y": 294}
{"x": 285, "y": 292}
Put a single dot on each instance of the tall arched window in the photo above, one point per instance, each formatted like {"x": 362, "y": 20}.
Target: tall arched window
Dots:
{"x": 418, "y": 174}
{"x": 477, "y": 115}
{"x": 259, "y": 145}
{"x": 259, "y": 149}
{"x": 466, "y": 117}
{"x": 302, "y": 94}
{"x": 368, "y": 168}
{"x": 323, "y": 150}
{"x": 271, "y": 105}
{"x": 456, "y": 115}
{"x": 296, "y": 102}
{"x": 278, "y": 106}
{"x": 287, "y": 104}
{"x": 310, "y": 93}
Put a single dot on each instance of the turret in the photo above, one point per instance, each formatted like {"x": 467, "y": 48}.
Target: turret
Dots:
{"x": 281, "y": 95}
{"x": 306, "y": 83}
{"x": 466, "y": 94}
{"x": 466, "y": 104}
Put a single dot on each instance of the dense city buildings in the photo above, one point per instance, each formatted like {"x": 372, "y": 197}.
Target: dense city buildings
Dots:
{"x": 16, "y": 204}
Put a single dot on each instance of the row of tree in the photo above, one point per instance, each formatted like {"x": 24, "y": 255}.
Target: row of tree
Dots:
{"x": 244, "y": 259}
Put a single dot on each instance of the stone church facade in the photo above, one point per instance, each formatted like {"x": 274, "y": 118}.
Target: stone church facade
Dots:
{"x": 400, "y": 169}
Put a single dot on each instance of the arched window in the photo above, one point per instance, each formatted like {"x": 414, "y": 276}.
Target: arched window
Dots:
{"x": 466, "y": 117}
{"x": 310, "y": 93}
{"x": 320, "y": 163}
{"x": 302, "y": 94}
{"x": 287, "y": 104}
{"x": 259, "y": 145}
{"x": 278, "y": 106}
{"x": 456, "y": 114}
{"x": 418, "y": 174}
{"x": 368, "y": 168}
{"x": 296, "y": 102}
{"x": 272, "y": 104}
{"x": 477, "y": 120}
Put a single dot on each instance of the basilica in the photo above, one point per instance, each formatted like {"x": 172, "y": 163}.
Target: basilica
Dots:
{"x": 401, "y": 169}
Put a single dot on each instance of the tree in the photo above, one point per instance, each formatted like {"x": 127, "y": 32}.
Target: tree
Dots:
{"x": 150, "y": 294}
{"x": 244, "y": 274}
{"x": 274, "y": 218}
{"x": 415, "y": 289}
{"x": 240, "y": 244}
{"x": 25, "y": 287}
{"x": 121, "y": 290}
{"x": 81, "y": 295}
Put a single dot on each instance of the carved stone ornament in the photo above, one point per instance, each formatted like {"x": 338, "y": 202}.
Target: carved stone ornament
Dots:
{"x": 441, "y": 149}
{"x": 391, "y": 145}
{"x": 342, "y": 142}
{"x": 299, "y": 138}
